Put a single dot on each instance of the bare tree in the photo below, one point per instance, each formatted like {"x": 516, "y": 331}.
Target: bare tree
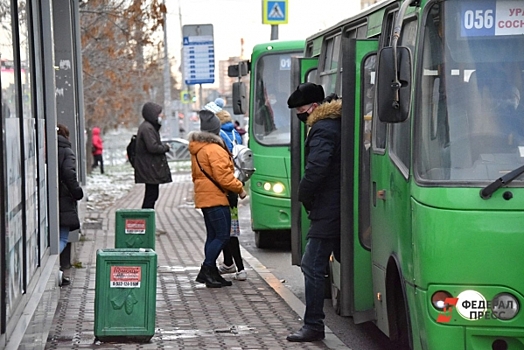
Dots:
{"x": 122, "y": 51}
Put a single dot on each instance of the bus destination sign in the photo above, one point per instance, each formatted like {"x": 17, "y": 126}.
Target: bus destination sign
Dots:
{"x": 492, "y": 18}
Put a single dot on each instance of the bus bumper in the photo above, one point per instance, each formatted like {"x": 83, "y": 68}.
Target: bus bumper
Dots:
{"x": 270, "y": 213}
{"x": 460, "y": 333}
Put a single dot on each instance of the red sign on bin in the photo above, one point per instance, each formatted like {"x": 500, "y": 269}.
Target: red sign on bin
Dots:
{"x": 125, "y": 276}
{"x": 135, "y": 226}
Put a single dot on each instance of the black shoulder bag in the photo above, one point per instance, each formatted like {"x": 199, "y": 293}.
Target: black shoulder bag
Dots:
{"x": 231, "y": 196}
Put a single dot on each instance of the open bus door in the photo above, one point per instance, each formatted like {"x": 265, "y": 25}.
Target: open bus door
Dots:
{"x": 352, "y": 284}
{"x": 302, "y": 70}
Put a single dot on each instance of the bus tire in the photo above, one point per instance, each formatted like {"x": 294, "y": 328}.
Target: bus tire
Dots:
{"x": 263, "y": 239}
{"x": 402, "y": 338}
{"x": 398, "y": 314}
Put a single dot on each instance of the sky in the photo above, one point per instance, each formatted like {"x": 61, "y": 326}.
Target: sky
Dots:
{"x": 236, "y": 19}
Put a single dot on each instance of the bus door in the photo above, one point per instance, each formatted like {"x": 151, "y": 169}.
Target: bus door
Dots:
{"x": 302, "y": 70}
{"x": 352, "y": 284}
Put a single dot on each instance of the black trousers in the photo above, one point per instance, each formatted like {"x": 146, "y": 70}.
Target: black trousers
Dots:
{"x": 231, "y": 252}
{"x": 150, "y": 196}
{"x": 98, "y": 159}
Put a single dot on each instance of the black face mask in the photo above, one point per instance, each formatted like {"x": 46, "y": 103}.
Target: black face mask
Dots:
{"x": 303, "y": 116}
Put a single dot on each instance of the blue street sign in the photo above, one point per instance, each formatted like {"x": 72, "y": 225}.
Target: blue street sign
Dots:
{"x": 198, "y": 54}
{"x": 274, "y": 12}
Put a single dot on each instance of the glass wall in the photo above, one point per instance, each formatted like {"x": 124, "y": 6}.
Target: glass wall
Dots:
{"x": 23, "y": 191}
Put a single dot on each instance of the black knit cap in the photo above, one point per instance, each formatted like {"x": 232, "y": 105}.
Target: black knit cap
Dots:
{"x": 209, "y": 122}
{"x": 305, "y": 94}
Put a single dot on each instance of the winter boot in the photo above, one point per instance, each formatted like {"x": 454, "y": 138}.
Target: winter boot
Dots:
{"x": 206, "y": 275}
{"x": 220, "y": 279}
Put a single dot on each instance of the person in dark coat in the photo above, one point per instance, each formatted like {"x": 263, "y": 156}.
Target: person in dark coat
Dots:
{"x": 69, "y": 190}
{"x": 319, "y": 192}
{"x": 151, "y": 166}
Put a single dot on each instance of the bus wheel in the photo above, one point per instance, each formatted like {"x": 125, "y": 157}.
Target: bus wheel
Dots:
{"x": 263, "y": 239}
{"x": 402, "y": 325}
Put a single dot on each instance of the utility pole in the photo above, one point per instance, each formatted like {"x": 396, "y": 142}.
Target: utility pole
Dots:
{"x": 274, "y": 32}
{"x": 167, "y": 86}
{"x": 185, "y": 87}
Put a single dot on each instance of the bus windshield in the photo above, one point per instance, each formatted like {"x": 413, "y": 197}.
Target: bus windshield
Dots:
{"x": 470, "y": 119}
{"x": 271, "y": 123}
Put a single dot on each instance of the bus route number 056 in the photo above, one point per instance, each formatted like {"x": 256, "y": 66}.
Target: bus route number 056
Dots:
{"x": 478, "y": 19}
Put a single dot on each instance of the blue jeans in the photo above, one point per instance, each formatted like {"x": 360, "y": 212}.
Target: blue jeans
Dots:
{"x": 218, "y": 227}
{"x": 314, "y": 265}
{"x": 64, "y": 237}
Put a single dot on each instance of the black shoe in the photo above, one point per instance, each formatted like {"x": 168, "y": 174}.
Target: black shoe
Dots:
{"x": 65, "y": 281}
{"x": 206, "y": 275}
{"x": 306, "y": 335}
{"x": 219, "y": 278}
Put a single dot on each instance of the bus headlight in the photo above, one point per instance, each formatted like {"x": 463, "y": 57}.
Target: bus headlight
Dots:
{"x": 505, "y": 306}
{"x": 438, "y": 299}
{"x": 278, "y": 188}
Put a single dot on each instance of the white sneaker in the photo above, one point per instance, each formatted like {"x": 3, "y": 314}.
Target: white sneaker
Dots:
{"x": 241, "y": 275}
{"x": 223, "y": 269}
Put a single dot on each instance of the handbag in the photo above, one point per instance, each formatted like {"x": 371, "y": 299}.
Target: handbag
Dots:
{"x": 232, "y": 197}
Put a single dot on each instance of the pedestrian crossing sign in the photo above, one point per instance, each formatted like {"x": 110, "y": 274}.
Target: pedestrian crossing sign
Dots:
{"x": 274, "y": 12}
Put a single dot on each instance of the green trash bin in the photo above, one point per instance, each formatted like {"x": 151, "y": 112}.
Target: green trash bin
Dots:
{"x": 135, "y": 228}
{"x": 125, "y": 295}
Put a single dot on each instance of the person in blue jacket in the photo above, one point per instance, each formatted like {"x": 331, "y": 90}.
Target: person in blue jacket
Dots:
{"x": 319, "y": 193}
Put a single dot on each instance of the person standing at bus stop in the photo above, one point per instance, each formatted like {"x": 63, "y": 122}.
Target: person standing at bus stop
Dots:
{"x": 213, "y": 176}
{"x": 69, "y": 190}
{"x": 151, "y": 166}
{"x": 319, "y": 192}
{"x": 231, "y": 251}
{"x": 98, "y": 149}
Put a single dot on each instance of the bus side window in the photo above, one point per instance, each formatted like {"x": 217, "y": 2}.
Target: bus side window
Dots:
{"x": 330, "y": 65}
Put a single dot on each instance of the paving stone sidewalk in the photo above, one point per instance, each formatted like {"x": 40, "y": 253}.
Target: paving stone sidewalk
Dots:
{"x": 251, "y": 314}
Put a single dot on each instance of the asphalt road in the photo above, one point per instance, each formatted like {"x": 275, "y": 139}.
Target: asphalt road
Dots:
{"x": 278, "y": 260}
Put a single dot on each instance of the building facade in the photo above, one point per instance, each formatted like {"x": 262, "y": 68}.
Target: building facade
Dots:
{"x": 40, "y": 87}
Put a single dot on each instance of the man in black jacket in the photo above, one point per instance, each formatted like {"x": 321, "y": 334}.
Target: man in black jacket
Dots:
{"x": 151, "y": 166}
{"x": 319, "y": 192}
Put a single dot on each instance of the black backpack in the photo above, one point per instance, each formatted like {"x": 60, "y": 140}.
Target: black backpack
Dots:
{"x": 131, "y": 151}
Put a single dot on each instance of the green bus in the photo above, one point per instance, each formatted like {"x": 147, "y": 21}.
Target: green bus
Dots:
{"x": 269, "y": 138}
{"x": 432, "y": 222}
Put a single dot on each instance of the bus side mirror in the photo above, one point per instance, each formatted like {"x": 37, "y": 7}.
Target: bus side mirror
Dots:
{"x": 238, "y": 70}
{"x": 239, "y": 98}
{"x": 394, "y": 95}
{"x": 233, "y": 71}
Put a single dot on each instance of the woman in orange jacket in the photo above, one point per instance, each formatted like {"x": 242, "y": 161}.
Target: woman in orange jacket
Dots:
{"x": 212, "y": 171}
